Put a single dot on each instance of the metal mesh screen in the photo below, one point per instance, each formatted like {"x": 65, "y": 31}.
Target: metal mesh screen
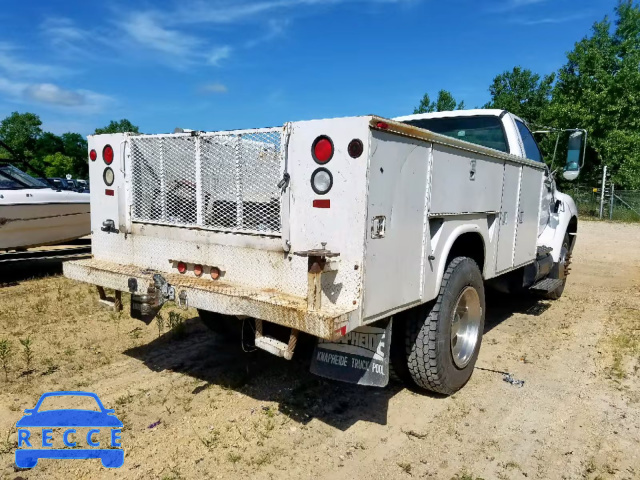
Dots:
{"x": 219, "y": 181}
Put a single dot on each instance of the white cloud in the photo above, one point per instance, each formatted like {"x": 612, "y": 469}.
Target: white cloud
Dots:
{"x": 164, "y": 31}
{"x": 48, "y": 94}
{"x": 550, "y": 20}
{"x": 509, "y": 5}
{"x": 54, "y": 95}
{"x": 218, "y": 54}
{"x": 214, "y": 88}
{"x": 18, "y": 67}
{"x": 234, "y": 11}
{"x": 147, "y": 31}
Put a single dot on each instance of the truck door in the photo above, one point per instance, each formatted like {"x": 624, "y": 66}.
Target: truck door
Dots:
{"x": 528, "y": 215}
{"x": 393, "y": 267}
{"x": 507, "y": 217}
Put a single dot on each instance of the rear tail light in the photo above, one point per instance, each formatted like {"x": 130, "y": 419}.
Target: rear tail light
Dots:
{"x": 107, "y": 154}
{"x": 321, "y": 181}
{"x": 322, "y": 149}
{"x": 182, "y": 267}
{"x": 93, "y": 155}
{"x": 355, "y": 148}
{"x": 108, "y": 176}
{"x": 197, "y": 270}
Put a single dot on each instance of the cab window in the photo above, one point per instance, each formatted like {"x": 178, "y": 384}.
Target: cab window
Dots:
{"x": 485, "y": 130}
{"x": 531, "y": 149}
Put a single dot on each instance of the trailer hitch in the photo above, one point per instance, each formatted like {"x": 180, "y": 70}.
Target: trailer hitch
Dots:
{"x": 146, "y": 306}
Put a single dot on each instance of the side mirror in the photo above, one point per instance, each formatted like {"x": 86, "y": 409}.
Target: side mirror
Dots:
{"x": 575, "y": 154}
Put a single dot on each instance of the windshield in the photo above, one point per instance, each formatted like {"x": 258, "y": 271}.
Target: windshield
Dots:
{"x": 11, "y": 177}
{"x": 485, "y": 130}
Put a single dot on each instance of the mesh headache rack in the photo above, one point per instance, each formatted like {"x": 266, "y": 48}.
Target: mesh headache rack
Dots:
{"x": 224, "y": 181}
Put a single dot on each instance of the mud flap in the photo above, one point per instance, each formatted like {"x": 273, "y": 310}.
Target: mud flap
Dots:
{"x": 361, "y": 356}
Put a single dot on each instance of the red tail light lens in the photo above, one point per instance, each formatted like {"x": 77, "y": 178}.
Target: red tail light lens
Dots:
{"x": 197, "y": 270}
{"x": 107, "y": 154}
{"x": 322, "y": 149}
{"x": 215, "y": 273}
{"x": 355, "y": 148}
{"x": 182, "y": 267}
{"x": 382, "y": 125}
{"x": 93, "y": 155}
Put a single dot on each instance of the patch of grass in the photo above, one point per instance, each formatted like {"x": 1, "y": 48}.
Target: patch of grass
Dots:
{"x": 405, "y": 467}
{"x": 177, "y": 325}
{"x": 624, "y": 343}
{"x": 465, "y": 475}
{"x": 124, "y": 399}
{"x": 160, "y": 323}
{"x": 234, "y": 457}
{"x": 51, "y": 367}
{"x": 590, "y": 467}
{"x": 411, "y": 433}
{"x": 7, "y": 446}
{"x": 27, "y": 352}
{"x": 40, "y": 306}
{"x": 511, "y": 465}
{"x": 267, "y": 457}
{"x": 6, "y": 353}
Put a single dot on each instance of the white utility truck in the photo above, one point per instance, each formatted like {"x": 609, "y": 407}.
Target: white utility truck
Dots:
{"x": 376, "y": 236}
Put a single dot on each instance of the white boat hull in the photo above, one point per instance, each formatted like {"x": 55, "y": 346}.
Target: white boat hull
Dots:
{"x": 32, "y": 218}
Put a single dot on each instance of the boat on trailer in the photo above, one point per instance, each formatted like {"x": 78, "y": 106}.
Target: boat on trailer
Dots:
{"x": 32, "y": 214}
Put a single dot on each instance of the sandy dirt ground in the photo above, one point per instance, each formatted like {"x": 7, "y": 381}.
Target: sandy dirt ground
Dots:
{"x": 194, "y": 406}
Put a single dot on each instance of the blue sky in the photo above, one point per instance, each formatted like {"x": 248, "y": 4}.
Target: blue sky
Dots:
{"x": 225, "y": 64}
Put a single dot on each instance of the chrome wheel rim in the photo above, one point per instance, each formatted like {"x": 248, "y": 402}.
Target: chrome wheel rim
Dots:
{"x": 465, "y": 326}
{"x": 564, "y": 262}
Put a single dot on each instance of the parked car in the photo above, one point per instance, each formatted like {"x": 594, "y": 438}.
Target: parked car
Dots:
{"x": 60, "y": 183}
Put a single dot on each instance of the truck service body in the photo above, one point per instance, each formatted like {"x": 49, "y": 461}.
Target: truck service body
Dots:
{"x": 331, "y": 226}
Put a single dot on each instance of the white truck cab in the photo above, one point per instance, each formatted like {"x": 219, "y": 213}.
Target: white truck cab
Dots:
{"x": 376, "y": 236}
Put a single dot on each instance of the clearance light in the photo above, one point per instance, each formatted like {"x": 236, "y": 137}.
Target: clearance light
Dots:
{"x": 182, "y": 267}
{"x": 93, "y": 155}
{"x": 215, "y": 273}
{"x": 197, "y": 270}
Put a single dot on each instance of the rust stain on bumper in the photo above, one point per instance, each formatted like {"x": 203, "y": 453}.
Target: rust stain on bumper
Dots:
{"x": 217, "y": 296}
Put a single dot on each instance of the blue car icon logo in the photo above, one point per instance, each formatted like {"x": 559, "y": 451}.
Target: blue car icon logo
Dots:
{"x": 66, "y": 419}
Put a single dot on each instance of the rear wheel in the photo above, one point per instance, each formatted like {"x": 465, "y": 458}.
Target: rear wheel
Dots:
{"x": 226, "y": 325}
{"x": 443, "y": 338}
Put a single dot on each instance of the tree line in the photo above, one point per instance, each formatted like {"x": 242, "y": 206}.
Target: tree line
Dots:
{"x": 24, "y": 144}
{"x": 598, "y": 89}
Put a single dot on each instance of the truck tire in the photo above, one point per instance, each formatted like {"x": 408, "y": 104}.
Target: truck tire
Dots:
{"x": 443, "y": 337}
{"x": 565, "y": 261}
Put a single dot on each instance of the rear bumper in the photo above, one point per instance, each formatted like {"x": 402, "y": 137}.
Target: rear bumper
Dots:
{"x": 215, "y": 296}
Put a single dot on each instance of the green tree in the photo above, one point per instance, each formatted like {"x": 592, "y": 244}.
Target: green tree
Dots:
{"x": 19, "y": 134}
{"x": 599, "y": 89}
{"x": 58, "y": 165}
{"x": 523, "y": 93}
{"x": 121, "y": 126}
{"x": 75, "y": 146}
{"x": 48, "y": 144}
{"x": 444, "y": 103}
